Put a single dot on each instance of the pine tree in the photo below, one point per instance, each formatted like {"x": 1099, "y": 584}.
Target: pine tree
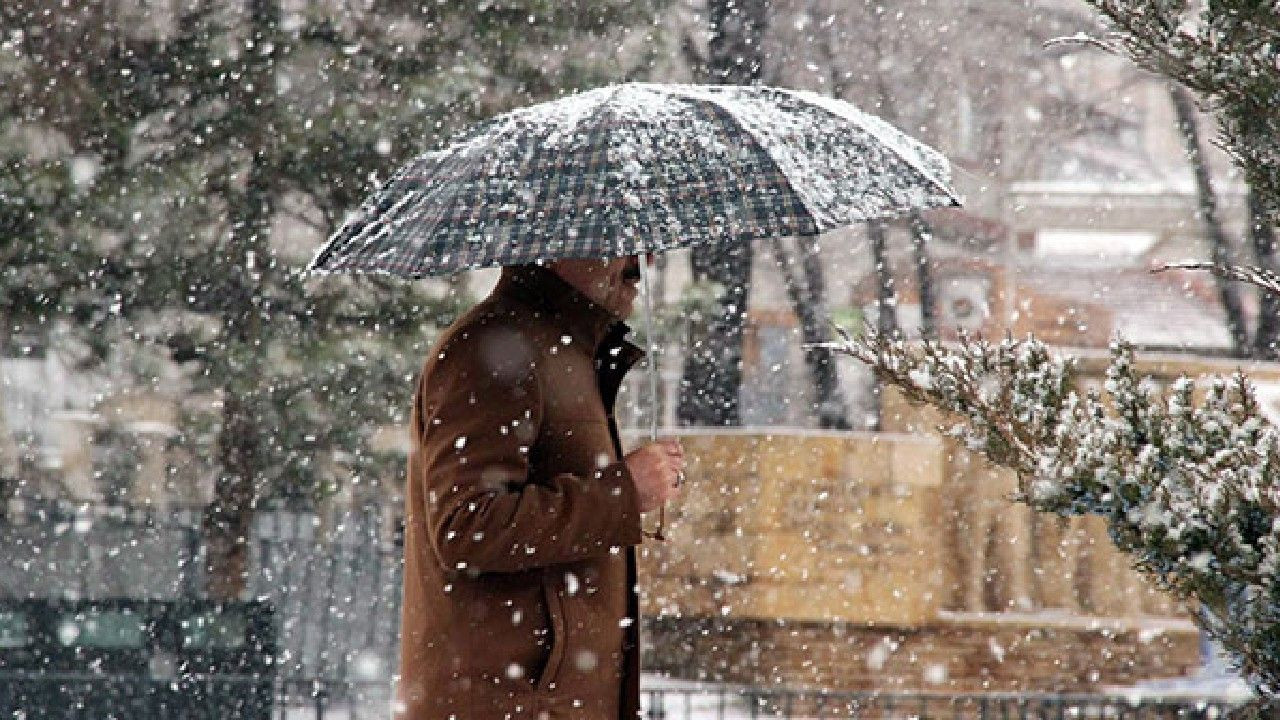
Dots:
{"x": 1188, "y": 482}
{"x": 1224, "y": 51}
{"x": 1188, "y": 478}
{"x": 177, "y": 147}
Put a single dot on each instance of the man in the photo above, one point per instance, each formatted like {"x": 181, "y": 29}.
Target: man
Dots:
{"x": 522, "y": 515}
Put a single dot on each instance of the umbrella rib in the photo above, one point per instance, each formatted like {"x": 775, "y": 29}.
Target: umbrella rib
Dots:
{"x": 467, "y": 166}
{"x": 764, "y": 151}
{"x": 341, "y": 239}
{"x": 827, "y": 105}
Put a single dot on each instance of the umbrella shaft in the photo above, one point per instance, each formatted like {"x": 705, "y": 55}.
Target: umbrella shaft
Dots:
{"x": 652, "y": 360}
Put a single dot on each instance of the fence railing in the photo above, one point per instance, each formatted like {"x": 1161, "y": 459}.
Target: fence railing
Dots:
{"x": 249, "y": 698}
{"x": 219, "y": 697}
{"x": 333, "y": 581}
{"x": 334, "y": 584}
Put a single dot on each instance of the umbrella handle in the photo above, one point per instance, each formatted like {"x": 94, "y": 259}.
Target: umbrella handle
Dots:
{"x": 651, "y": 361}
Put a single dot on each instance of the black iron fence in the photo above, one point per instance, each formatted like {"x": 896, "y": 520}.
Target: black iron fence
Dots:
{"x": 332, "y": 586}
{"x": 65, "y": 696}
{"x": 332, "y": 580}
{"x": 251, "y": 697}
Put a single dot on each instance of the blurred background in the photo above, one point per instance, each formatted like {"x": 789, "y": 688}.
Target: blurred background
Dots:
{"x": 187, "y": 422}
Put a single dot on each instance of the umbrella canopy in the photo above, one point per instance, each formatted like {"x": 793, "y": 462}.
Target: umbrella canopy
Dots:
{"x": 637, "y": 168}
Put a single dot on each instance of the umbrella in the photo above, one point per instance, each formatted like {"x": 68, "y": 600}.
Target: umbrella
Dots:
{"x": 633, "y": 169}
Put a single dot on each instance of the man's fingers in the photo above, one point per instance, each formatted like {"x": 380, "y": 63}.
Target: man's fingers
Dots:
{"x": 675, "y": 454}
{"x": 658, "y": 468}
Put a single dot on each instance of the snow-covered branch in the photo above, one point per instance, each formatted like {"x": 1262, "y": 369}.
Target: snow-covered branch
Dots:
{"x": 1188, "y": 476}
{"x": 1261, "y": 277}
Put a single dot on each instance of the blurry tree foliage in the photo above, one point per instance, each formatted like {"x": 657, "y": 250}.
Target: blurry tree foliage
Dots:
{"x": 1226, "y": 51}
{"x": 1186, "y": 476}
{"x": 909, "y": 64}
{"x": 167, "y": 168}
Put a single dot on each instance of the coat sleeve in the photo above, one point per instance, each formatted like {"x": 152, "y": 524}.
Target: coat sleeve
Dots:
{"x": 478, "y": 416}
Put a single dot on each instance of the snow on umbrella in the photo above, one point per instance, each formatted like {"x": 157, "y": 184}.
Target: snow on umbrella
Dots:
{"x": 637, "y": 168}
{"x": 633, "y": 169}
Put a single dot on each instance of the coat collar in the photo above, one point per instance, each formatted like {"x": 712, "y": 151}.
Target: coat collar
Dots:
{"x": 542, "y": 289}
{"x": 589, "y": 323}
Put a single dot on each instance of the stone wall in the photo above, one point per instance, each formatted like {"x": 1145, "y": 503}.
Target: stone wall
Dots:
{"x": 953, "y": 653}
{"x": 885, "y": 560}
{"x": 806, "y": 525}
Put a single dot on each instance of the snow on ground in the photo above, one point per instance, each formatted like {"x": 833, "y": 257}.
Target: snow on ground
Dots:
{"x": 1214, "y": 681}
{"x": 690, "y": 700}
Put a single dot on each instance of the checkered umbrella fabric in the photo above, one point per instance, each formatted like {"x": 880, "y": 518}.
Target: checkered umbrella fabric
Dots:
{"x": 637, "y": 168}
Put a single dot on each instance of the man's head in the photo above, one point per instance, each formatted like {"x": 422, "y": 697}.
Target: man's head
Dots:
{"x": 608, "y": 282}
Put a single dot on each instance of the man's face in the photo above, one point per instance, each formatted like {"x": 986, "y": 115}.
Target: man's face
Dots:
{"x": 609, "y": 283}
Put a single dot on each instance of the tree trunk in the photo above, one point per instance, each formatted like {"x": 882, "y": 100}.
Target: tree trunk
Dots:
{"x": 807, "y": 300}
{"x": 1185, "y": 111}
{"x": 807, "y": 295}
{"x": 921, "y": 234}
{"x": 1263, "y": 236}
{"x": 734, "y": 52}
{"x": 886, "y": 300}
{"x": 712, "y": 375}
{"x": 9, "y": 456}
{"x": 228, "y": 521}
{"x": 886, "y": 310}
{"x": 712, "y": 378}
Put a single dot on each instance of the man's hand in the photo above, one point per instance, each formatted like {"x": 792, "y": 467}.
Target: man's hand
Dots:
{"x": 658, "y": 471}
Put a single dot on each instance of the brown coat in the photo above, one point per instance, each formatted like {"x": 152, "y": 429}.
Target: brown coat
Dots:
{"x": 519, "y": 585}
